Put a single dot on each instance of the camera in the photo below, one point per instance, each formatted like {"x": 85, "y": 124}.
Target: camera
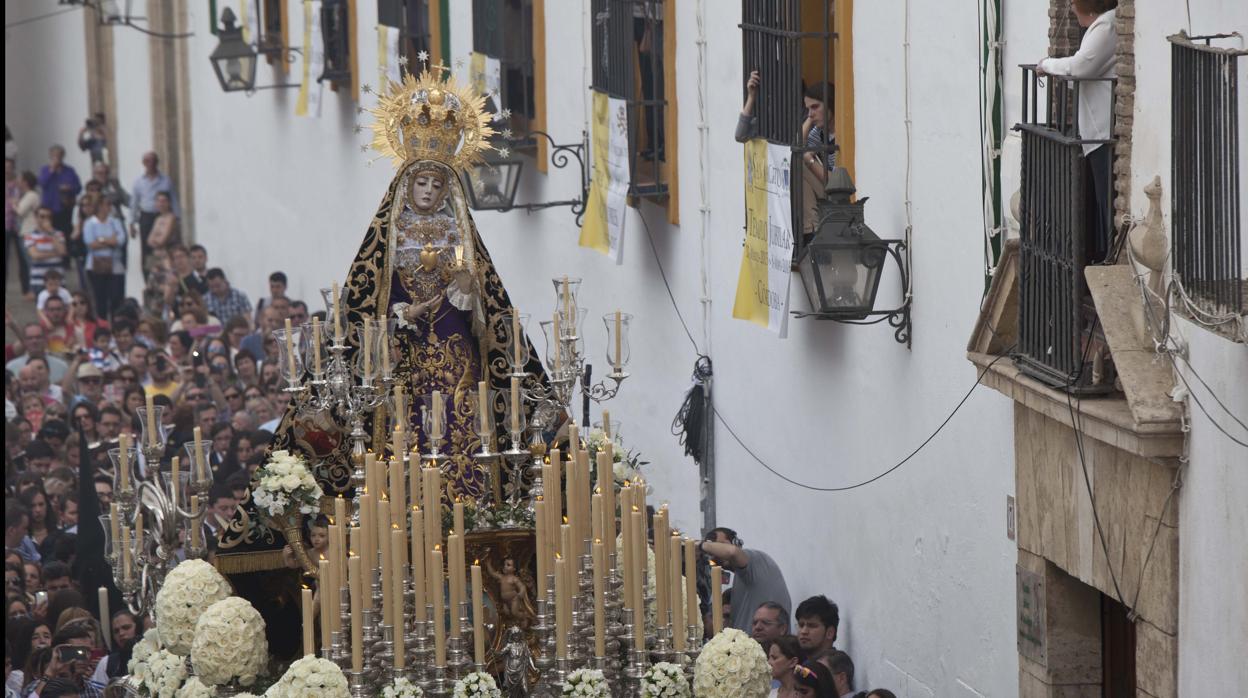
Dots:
{"x": 69, "y": 653}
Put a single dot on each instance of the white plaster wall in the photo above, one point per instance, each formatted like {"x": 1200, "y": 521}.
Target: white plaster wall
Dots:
{"x": 919, "y": 561}
{"x": 1213, "y": 560}
{"x": 45, "y": 93}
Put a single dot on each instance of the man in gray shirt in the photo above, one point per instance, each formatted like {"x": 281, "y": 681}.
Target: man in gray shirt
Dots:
{"x": 756, "y": 576}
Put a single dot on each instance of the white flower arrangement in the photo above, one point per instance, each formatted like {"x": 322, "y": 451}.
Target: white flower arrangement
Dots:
{"x": 311, "y": 676}
{"x": 402, "y": 688}
{"x": 586, "y": 683}
{"x": 189, "y": 588}
{"x": 285, "y": 482}
{"x": 230, "y": 643}
{"x": 731, "y": 665}
{"x": 161, "y": 675}
{"x": 625, "y": 464}
{"x": 143, "y": 650}
{"x": 664, "y": 680}
{"x": 476, "y": 685}
{"x": 194, "y": 688}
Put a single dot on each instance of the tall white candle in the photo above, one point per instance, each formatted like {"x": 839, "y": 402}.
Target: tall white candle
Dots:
{"x": 106, "y": 625}
{"x": 515, "y": 338}
{"x": 618, "y": 340}
{"x": 337, "y": 318}
{"x": 290, "y": 350}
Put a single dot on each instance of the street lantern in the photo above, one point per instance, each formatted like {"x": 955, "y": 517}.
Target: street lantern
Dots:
{"x": 841, "y": 266}
{"x": 234, "y": 60}
{"x": 491, "y": 185}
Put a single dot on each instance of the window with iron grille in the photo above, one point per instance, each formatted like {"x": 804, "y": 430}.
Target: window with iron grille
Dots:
{"x": 272, "y": 29}
{"x": 503, "y": 29}
{"x": 413, "y": 20}
{"x": 628, "y": 64}
{"x": 1205, "y": 189}
{"x": 336, "y": 37}
{"x": 790, "y": 44}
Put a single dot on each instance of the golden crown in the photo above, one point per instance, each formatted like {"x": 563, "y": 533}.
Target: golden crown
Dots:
{"x": 429, "y": 118}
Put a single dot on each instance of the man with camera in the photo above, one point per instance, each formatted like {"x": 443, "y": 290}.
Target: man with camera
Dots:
{"x": 757, "y": 578}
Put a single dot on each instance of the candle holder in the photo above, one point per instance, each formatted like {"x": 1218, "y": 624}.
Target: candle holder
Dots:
{"x": 125, "y": 494}
{"x": 344, "y": 390}
{"x": 438, "y": 685}
{"x": 385, "y": 655}
{"x": 544, "y": 659}
{"x": 457, "y": 653}
{"x": 358, "y": 684}
{"x": 537, "y": 451}
{"x": 152, "y": 445}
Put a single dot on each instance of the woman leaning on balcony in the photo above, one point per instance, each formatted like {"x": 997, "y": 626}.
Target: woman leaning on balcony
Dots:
{"x": 1094, "y": 59}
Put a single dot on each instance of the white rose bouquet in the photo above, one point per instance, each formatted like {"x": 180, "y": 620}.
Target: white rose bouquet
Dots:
{"x": 194, "y": 688}
{"x": 161, "y": 675}
{"x": 402, "y": 688}
{"x": 230, "y": 643}
{"x": 589, "y": 683}
{"x": 476, "y": 685}
{"x": 664, "y": 680}
{"x": 731, "y": 665}
{"x": 189, "y": 588}
{"x": 283, "y": 490}
{"x": 285, "y": 483}
{"x": 143, "y": 650}
{"x": 311, "y": 676}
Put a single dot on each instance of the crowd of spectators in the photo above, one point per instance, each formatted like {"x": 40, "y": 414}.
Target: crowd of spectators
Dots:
{"x": 81, "y": 357}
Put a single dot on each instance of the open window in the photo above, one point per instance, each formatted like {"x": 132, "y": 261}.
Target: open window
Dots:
{"x": 419, "y": 25}
{"x": 504, "y": 30}
{"x": 337, "y": 32}
{"x": 633, "y": 54}
{"x": 273, "y": 39}
{"x": 803, "y": 52}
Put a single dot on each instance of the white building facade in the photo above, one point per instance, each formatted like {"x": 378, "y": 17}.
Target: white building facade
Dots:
{"x": 921, "y": 561}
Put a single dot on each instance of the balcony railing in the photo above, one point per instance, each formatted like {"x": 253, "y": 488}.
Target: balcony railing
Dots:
{"x": 1205, "y": 173}
{"x": 1057, "y": 327}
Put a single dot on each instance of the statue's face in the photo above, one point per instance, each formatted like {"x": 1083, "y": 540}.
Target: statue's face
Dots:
{"x": 509, "y": 566}
{"x": 428, "y": 190}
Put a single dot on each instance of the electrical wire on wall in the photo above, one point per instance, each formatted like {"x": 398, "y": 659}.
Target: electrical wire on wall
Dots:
{"x": 991, "y": 118}
{"x": 909, "y": 203}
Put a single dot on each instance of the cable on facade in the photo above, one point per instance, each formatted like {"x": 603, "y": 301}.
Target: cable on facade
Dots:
{"x": 39, "y": 18}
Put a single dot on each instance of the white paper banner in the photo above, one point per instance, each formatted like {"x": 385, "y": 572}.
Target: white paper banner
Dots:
{"x": 779, "y": 237}
{"x": 617, "y": 185}
{"x": 317, "y": 62}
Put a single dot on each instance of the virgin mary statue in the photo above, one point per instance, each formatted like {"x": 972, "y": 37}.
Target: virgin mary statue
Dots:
{"x": 422, "y": 265}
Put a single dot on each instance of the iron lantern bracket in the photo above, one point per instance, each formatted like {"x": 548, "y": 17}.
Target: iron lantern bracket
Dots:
{"x": 561, "y": 156}
{"x": 899, "y": 317}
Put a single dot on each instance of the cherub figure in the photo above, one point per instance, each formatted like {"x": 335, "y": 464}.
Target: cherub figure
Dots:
{"x": 512, "y": 592}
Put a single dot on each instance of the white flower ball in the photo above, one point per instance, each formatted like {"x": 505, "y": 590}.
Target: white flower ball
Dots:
{"x": 189, "y": 588}
{"x": 230, "y": 643}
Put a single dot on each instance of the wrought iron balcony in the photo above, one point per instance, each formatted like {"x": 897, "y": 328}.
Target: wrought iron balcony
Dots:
{"x": 1058, "y": 332}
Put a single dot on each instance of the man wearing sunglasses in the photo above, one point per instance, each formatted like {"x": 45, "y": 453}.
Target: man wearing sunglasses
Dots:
{"x": 756, "y": 576}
